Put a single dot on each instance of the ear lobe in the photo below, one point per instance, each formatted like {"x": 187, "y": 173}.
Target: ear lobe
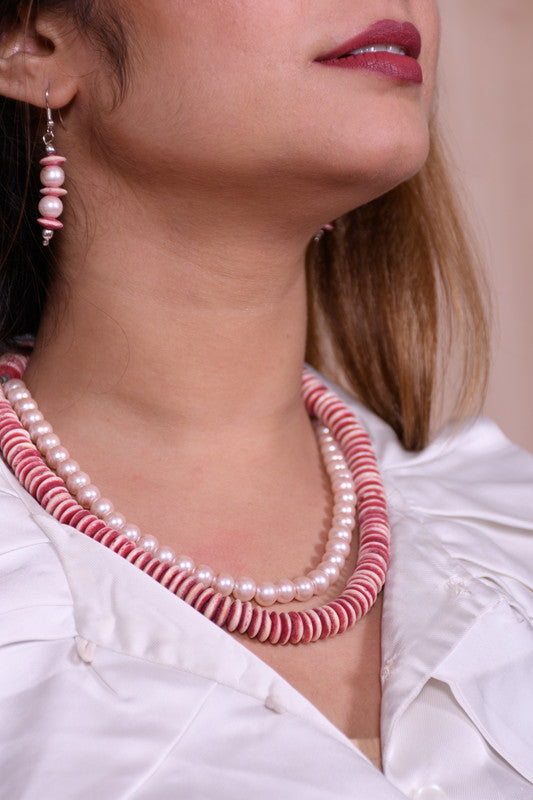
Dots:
{"x": 30, "y": 62}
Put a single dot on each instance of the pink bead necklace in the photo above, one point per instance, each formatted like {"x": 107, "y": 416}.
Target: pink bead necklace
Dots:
{"x": 46, "y": 470}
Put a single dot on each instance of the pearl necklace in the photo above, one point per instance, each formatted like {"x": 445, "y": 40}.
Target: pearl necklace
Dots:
{"x": 244, "y": 588}
{"x": 32, "y": 450}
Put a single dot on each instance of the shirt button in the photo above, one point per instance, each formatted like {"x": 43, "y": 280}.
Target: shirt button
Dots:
{"x": 432, "y": 792}
{"x": 273, "y": 703}
{"x": 86, "y": 650}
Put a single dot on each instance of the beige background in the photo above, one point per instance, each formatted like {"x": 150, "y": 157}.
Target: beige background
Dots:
{"x": 486, "y": 107}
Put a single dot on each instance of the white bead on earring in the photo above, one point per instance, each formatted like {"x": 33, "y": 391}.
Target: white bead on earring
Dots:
{"x": 324, "y": 229}
{"x": 52, "y": 178}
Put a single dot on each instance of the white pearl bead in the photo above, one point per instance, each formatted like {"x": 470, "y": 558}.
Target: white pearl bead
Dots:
{"x": 335, "y": 558}
{"x": 244, "y": 589}
{"x": 115, "y": 520}
{"x": 166, "y": 554}
{"x": 50, "y": 207}
{"x": 204, "y": 574}
{"x": 346, "y": 497}
{"x": 40, "y": 428}
{"x": 341, "y": 471}
{"x": 339, "y": 547}
{"x": 286, "y": 591}
{"x": 46, "y": 442}
{"x": 342, "y": 509}
{"x": 76, "y": 481}
{"x": 341, "y": 485}
{"x": 101, "y": 507}
{"x": 13, "y": 383}
{"x": 320, "y": 581}
{"x": 328, "y": 447}
{"x": 334, "y": 458}
{"x": 224, "y": 584}
{"x": 29, "y": 417}
{"x": 56, "y": 456}
{"x": 304, "y": 588}
{"x": 67, "y": 468}
{"x": 16, "y": 393}
{"x": 185, "y": 563}
{"x": 131, "y": 532}
{"x": 346, "y": 521}
{"x": 331, "y": 570}
{"x": 149, "y": 543}
{"x": 266, "y": 594}
{"x": 343, "y": 534}
{"x": 52, "y": 176}
{"x": 86, "y": 495}
{"x": 23, "y": 405}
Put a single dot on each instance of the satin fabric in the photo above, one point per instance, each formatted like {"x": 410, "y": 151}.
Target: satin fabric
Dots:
{"x": 111, "y": 687}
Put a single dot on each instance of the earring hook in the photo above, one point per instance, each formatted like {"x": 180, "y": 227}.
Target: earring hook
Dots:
{"x": 49, "y": 135}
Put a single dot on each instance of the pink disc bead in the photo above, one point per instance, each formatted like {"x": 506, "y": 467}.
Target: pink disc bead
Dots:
{"x": 53, "y": 224}
{"x": 54, "y": 191}
{"x": 52, "y": 160}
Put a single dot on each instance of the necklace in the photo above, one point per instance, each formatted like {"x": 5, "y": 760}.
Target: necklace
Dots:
{"x": 45, "y": 469}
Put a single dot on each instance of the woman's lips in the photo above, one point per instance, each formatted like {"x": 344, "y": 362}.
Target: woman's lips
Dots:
{"x": 389, "y": 47}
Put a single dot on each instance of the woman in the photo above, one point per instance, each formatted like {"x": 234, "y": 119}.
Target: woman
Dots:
{"x": 208, "y": 148}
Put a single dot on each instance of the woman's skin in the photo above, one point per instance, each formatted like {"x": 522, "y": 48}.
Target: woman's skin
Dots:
{"x": 170, "y": 355}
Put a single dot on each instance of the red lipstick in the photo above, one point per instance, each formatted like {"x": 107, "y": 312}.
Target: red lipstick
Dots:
{"x": 367, "y": 51}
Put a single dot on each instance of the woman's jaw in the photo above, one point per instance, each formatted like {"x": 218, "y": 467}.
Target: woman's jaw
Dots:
{"x": 233, "y": 104}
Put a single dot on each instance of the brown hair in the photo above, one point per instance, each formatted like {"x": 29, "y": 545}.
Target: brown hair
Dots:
{"x": 393, "y": 289}
{"x": 397, "y": 290}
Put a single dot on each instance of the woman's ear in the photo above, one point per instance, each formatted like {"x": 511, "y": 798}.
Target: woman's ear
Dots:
{"x": 39, "y": 55}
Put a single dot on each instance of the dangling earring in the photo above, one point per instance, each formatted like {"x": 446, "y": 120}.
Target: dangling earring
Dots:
{"x": 327, "y": 227}
{"x": 52, "y": 178}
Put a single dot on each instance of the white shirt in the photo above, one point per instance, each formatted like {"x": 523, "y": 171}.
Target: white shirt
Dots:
{"x": 113, "y": 688}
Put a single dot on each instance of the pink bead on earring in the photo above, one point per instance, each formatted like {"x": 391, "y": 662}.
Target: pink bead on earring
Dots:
{"x": 52, "y": 178}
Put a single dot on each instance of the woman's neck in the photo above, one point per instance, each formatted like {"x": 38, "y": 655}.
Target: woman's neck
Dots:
{"x": 175, "y": 383}
{"x": 195, "y": 337}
